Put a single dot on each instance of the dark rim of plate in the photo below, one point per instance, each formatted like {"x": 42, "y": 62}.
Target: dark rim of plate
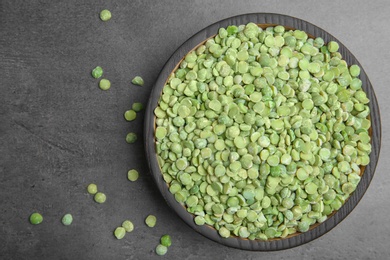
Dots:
{"x": 274, "y": 244}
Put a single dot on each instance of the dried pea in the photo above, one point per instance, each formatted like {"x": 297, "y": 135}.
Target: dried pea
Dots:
{"x": 150, "y": 220}
{"x": 137, "y": 80}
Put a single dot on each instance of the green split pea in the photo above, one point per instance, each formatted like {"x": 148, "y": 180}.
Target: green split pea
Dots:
{"x": 137, "y": 80}
{"x": 150, "y": 220}
{"x": 36, "y": 218}
{"x": 161, "y": 250}
{"x": 67, "y": 219}
{"x": 137, "y": 106}
{"x": 104, "y": 84}
{"x": 100, "y": 197}
{"x": 105, "y": 15}
{"x": 128, "y": 226}
{"x": 132, "y": 175}
{"x": 120, "y": 232}
{"x": 130, "y": 115}
{"x": 92, "y": 189}
{"x": 166, "y": 240}
{"x": 131, "y": 138}
{"x": 97, "y": 72}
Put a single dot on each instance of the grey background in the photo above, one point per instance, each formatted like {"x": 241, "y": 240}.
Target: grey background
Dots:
{"x": 59, "y": 131}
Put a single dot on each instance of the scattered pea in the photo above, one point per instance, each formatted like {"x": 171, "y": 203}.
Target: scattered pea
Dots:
{"x": 132, "y": 175}
{"x": 104, "y": 84}
{"x": 97, "y": 72}
{"x": 120, "y": 232}
{"x": 130, "y": 115}
{"x": 166, "y": 240}
{"x": 137, "y": 80}
{"x": 67, "y": 219}
{"x": 161, "y": 250}
{"x": 36, "y": 218}
{"x": 150, "y": 221}
{"x": 131, "y": 138}
{"x": 128, "y": 226}
{"x": 105, "y": 15}
{"x": 100, "y": 197}
{"x": 137, "y": 106}
{"x": 92, "y": 188}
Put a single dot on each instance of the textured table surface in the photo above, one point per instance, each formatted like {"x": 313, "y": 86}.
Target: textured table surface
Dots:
{"x": 59, "y": 131}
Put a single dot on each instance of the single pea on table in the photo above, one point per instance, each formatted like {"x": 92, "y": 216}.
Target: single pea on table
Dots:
{"x": 67, "y": 219}
{"x": 137, "y": 80}
{"x": 131, "y": 138}
{"x": 128, "y": 226}
{"x": 104, "y": 84}
{"x": 130, "y": 115}
{"x": 92, "y": 189}
{"x": 105, "y": 15}
{"x": 36, "y": 218}
{"x": 97, "y": 72}
{"x": 132, "y": 175}
{"x": 100, "y": 197}
{"x": 161, "y": 250}
{"x": 137, "y": 106}
{"x": 166, "y": 240}
{"x": 120, "y": 232}
{"x": 150, "y": 220}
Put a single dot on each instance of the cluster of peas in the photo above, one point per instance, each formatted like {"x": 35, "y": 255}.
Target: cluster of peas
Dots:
{"x": 262, "y": 133}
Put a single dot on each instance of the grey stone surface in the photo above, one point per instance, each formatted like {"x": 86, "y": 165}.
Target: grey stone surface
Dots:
{"x": 59, "y": 131}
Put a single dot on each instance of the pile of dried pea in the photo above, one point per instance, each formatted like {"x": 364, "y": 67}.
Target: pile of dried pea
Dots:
{"x": 262, "y": 133}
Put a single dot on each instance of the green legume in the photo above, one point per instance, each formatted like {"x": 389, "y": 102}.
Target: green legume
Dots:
{"x": 104, "y": 84}
{"x": 137, "y": 80}
{"x": 132, "y": 175}
{"x": 36, "y": 218}
{"x": 100, "y": 197}
{"x": 224, "y": 232}
{"x": 105, "y": 15}
{"x": 130, "y": 115}
{"x": 97, "y": 72}
{"x": 261, "y": 133}
{"x": 150, "y": 221}
{"x": 354, "y": 70}
{"x": 137, "y": 106}
{"x": 161, "y": 250}
{"x": 131, "y": 138}
{"x": 333, "y": 46}
{"x": 161, "y": 132}
{"x": 199, "y": 220}
{"x": 166, "y": 240}
{"x": 67, "y": 219}
{"x": 128, "y": 226}
{"x": 92, "y": 188}
{"x": 120, "y": 232}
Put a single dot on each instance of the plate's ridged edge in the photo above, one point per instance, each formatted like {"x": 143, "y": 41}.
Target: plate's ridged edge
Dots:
{"x": 261, "y": 18}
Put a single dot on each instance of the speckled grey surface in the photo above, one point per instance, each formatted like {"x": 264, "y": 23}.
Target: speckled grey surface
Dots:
{"x": 59, "y": 131}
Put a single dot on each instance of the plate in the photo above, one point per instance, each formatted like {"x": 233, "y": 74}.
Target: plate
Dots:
{"x": 316, "y": 230}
